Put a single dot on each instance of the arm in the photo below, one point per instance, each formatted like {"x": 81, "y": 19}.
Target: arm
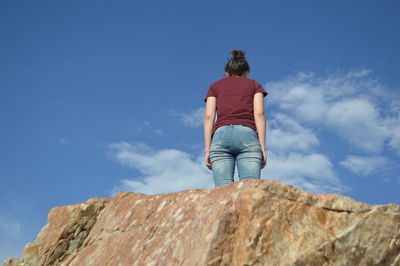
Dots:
{"x": 261, "y": 123}
{"x": 209, "y": 119}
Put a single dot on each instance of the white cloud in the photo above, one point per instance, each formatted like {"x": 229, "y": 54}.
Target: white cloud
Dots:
{"x": 357, "y": 120}
{"x": 162, "y": 171}
{"x": 292, "y": 157}
{"x": 359, "y": 109}
{"x": 303, "y": 100}
{"x": 364, "y": 165}
{"x": 356, "y": 108}
{"x": 312, "y": 172}
{"x": 392, "y": 130}
{"x": 286, "y": 135}
{"x": 194, "y": 118}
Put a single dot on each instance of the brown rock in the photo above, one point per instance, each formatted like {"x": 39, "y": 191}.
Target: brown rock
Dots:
{"x": 249, "y": 222}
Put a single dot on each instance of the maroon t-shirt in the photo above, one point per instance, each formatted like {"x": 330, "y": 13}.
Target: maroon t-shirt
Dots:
{"x": 235, "y": 97}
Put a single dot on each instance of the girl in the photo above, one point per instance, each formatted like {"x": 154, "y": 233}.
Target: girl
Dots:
{"x": 238, "y": 135}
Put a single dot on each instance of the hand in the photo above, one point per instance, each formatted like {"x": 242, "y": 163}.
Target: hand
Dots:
{"x": 207, "y": 160}
{"x": 264, "y": 163}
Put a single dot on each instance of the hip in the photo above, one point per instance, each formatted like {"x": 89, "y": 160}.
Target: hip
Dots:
{"x": 235, "y": 138}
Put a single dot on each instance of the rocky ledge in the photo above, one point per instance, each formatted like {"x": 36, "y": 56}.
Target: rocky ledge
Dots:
{"x": 250, "y": 222}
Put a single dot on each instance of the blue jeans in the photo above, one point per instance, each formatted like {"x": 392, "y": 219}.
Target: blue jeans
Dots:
{"x": 235, "y": 143}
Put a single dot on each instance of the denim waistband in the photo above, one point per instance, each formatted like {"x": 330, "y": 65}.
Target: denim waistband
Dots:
{"x": 236, "y": 126}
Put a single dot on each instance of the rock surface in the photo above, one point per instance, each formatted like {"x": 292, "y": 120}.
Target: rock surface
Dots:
{"x": 249, "y": 222}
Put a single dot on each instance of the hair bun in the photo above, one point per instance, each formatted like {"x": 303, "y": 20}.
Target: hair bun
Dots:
{"x": 237, "y": 64}
{"x": 237, "y": 54}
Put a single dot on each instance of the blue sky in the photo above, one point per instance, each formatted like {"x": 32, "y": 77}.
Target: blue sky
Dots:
{"x": 98, "y": 97}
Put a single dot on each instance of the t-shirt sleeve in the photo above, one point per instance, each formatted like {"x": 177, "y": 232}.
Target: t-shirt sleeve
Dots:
{"x": 259, "y": 88}
{"x": 211, "y": 92}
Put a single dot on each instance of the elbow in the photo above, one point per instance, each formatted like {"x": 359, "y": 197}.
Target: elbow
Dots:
{"x": 208, "y": 118}
{"x": 260, "y": 114}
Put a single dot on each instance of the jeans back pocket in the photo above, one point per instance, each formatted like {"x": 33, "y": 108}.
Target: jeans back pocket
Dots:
{"x": 217, "y": 138}
{"x": 248, "y": 136}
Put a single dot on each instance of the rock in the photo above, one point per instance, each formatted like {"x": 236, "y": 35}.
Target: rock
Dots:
{"x": 249, "y": 222}
{"x": 63, "y": 235}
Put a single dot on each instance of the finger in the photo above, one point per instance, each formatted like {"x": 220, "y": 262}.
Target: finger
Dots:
{"x": 208, "y": 163}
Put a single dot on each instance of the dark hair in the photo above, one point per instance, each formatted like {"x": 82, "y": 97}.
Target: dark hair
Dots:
{"x": 237, "y": 64}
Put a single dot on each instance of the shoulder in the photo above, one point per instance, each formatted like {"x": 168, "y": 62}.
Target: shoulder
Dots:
{"x": 258, "y": 87}
{"x": 218, "y": 82}
{"x": 252, "y": 81}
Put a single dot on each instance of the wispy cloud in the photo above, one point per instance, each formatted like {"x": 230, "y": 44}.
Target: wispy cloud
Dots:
{"x": 63, "y": 141}
{"x": 156, "y": 131}
{"x": 194, "y": 118}
{"x": 147, "y": 127}
{"x": 364, "y": 165}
